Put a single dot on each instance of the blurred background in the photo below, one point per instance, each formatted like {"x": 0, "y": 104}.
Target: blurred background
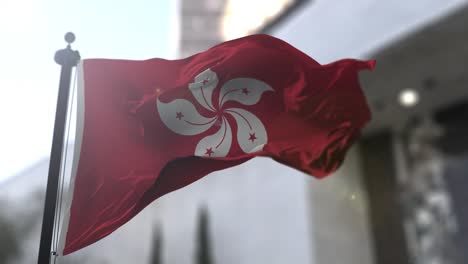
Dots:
{"x": 400, "y": 197}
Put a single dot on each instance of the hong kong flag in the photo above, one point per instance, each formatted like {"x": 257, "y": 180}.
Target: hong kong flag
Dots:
{"x": 147, "y": 128}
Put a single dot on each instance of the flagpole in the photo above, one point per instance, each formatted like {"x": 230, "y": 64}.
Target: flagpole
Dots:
{"x": 68, "y": 59}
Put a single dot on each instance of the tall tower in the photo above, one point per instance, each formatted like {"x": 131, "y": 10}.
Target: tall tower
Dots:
{"x": 201, "y": 25}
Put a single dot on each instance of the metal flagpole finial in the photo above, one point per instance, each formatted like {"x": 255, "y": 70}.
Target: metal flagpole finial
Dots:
{"x": 70, "y": 37}
{"x": 67, "y": 56}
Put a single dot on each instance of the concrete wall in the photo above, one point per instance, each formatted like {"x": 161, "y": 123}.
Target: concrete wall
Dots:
{"x": 258, "y": 213}
{"x": 339, "y": 211}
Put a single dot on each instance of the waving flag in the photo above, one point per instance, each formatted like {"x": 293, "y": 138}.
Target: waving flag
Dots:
{"x": 147, "y": 128}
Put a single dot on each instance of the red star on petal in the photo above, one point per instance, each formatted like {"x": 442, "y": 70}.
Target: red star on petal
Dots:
{"x": 205, "y": 81}
{"x": 179, "y": 115}
{"x": 209, "y": 151}
{"x": 245, "y": 91}
{"x": 252, "y": 137}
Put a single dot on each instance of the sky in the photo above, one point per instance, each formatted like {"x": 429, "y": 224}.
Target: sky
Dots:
{"x": 30, "y": 33}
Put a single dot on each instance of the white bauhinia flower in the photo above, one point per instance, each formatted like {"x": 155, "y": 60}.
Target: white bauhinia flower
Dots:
{"x": 181, "y": 116}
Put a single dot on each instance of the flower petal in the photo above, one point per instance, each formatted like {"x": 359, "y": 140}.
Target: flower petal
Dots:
{"x": 246, "y": 91}
{"x": 181, "y": 117}
{"x": 216, "y": 145}
{"x": 251, "y": 133}
{"x": 202, "y": 88}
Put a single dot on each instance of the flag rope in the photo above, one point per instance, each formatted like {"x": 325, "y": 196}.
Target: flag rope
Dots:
{"x": 59, "y": 201}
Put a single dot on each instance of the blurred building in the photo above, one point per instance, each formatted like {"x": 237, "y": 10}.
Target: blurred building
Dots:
{"x": 411, "y": 153}
{"x": 398, "y": 198}
{"x": 393, "y": 201}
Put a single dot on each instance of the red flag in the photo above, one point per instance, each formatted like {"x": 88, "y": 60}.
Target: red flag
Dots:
{"x": 151, "y": 127}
